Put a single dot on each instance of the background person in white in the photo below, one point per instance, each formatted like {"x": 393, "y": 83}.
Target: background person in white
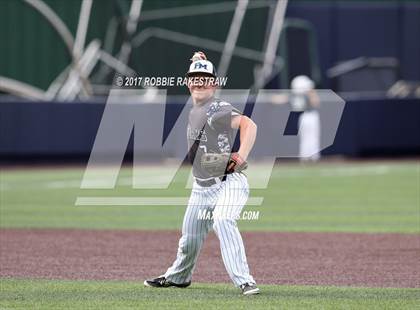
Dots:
{"x": 304, "y": 98}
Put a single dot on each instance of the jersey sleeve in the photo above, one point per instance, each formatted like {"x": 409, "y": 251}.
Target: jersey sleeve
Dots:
{"x": 219, "y": 115}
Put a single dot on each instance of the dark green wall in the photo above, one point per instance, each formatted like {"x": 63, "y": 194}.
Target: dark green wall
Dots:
{"x": 31, "y": 51}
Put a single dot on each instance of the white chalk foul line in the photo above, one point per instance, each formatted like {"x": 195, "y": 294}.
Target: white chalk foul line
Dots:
{"x": 146, "y": 201}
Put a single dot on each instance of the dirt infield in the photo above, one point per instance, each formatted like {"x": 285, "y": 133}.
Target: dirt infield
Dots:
{"x": 375, "y": 260}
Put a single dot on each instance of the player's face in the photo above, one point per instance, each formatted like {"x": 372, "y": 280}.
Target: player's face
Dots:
{"x": 201, "y": 88}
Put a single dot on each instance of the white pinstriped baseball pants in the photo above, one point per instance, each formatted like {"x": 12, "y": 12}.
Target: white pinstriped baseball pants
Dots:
{"x": 225, "y": 201}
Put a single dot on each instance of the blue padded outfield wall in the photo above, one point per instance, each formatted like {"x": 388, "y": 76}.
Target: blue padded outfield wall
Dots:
{"x": 367, "y": 127}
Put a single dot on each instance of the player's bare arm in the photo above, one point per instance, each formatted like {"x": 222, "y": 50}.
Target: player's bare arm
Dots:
{"x": 247, "y": 134}
{"x": 313, "y": 99}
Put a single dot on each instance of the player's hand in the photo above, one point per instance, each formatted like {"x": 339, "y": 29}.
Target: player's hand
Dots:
{"x": 236, "y": 163}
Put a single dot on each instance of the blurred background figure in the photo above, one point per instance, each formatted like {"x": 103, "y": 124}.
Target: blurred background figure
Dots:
{"x": 304, "y": 99}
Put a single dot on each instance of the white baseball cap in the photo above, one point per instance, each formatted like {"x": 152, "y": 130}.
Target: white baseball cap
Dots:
{"x": 302, "y": 84}
{"x": 202, "y": 66}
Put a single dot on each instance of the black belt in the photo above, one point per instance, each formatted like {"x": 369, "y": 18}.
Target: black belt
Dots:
{"x": 210, "y": 182}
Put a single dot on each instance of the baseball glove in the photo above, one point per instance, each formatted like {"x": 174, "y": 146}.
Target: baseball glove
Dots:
{"x": 220, "y": 164}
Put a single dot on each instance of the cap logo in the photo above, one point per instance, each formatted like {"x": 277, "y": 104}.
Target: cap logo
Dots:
{"x": 199, "y": 65}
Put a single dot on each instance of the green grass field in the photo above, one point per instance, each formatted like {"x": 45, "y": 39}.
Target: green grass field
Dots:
{"x": 377, "y": 197}
{"x": 42, "y": 294}
{"x": 346, "y": 197}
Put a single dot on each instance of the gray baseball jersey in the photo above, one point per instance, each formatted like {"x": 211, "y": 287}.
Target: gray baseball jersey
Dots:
{"x": 209, "y": 131}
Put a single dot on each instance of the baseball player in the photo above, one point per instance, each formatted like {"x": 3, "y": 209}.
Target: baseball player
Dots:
{"x": 305, "y": 99}
{"x": 220, "y": 188}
